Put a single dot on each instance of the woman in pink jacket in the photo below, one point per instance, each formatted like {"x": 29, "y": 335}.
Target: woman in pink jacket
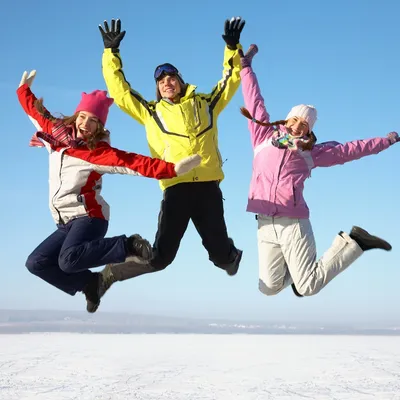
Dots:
{"x": 80, "y": 153}
{"x": 285, "y": 152}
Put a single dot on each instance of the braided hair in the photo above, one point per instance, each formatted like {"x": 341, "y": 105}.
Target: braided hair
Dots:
{"x": 305, "y": 146}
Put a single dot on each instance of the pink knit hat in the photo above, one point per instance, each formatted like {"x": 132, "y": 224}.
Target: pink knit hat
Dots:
{"x": 96, "y": 103}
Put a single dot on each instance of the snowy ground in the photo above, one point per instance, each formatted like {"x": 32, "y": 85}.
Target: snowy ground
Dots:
{"x": 188, "y": 367}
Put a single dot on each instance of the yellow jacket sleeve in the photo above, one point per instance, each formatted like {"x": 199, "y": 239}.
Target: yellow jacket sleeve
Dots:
{"x": 225, "y": 89}
{"x": 127, "y": 99}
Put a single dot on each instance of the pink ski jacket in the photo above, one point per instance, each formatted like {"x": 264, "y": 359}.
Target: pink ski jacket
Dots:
{"x": 277, "y": 182}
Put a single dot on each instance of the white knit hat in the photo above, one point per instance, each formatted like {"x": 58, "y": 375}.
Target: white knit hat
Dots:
{"x": 309, "y": 113}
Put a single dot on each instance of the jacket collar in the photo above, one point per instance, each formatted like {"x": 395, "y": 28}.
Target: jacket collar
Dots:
{"x": 190, "y": 90}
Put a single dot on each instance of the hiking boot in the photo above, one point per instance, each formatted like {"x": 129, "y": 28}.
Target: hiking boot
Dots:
{"x": 367, "y": 241}
{"x": 137, "y": 246}
{"x": 97, "y": 287}
{"x": 232, "y": 268}
{"x": 91, "y": 292}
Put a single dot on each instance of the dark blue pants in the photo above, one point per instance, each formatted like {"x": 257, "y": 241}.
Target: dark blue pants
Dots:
{"x": 64, "y": 258}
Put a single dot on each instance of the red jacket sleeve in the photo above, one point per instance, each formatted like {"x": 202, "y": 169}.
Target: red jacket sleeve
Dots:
{"x": 27, "y": 101}
{"x": 107, "y": 159}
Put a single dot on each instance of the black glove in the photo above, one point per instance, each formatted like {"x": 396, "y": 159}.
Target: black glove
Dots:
{"x": 112, "y": 38}
{"x": 233, "y": 29}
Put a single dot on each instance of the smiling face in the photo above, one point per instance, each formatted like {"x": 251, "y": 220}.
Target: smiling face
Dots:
{"x": 169, "y": 87}
{"x": 86, "y": 124}
{"x": 297, "y": 126}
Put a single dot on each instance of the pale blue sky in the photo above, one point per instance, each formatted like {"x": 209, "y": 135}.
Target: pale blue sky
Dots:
{"x": 340, "y": 56}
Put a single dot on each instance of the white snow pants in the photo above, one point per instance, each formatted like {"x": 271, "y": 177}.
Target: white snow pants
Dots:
{"x": 287, "y": 254}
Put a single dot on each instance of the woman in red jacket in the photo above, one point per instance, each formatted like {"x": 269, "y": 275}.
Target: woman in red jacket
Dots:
{"x": 80, "y": 153}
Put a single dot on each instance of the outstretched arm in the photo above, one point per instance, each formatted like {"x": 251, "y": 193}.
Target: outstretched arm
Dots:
{"x": 253, "y": 100}
{"x": 107, "y": 159}
{"x": 127, "y": 99}
{"x": 333, "y": 153}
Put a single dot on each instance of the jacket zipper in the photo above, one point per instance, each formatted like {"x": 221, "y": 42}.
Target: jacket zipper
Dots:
{"x": 277, "y": 179}
{"x": 59, "y": 188}
{"x": 294, "y": 195}
{"x": 218, "y": 152}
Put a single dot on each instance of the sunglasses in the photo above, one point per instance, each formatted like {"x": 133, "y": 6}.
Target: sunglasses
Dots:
{"x": 165, "y": 69}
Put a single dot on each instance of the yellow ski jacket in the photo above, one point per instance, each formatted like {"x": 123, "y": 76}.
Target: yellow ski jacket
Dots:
{"x": 178, "y": 130}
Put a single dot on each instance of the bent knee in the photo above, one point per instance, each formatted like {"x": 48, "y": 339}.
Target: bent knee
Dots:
{"x": 270, "y": 289}
{"x": 32, "y": 264}
{"x": 308, "y": 291}
{"x": 66, "y": 266}
{"x": 159, "y": 265}
{"x": 67, "y": 262}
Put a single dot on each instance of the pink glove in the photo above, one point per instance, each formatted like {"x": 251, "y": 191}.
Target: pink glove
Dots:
{"x": 246, "y": 59}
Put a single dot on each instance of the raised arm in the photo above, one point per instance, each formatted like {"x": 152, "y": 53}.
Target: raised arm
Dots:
{"x": 334, "y": 153}
{"x": 225, "y": 89}
{"x": 27, "y": 100}
{"x": 253, "y": 100}
{"x": 127, "y": 99}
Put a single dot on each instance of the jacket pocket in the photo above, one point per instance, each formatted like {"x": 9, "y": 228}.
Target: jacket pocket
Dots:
{"x": 190, "y": 114}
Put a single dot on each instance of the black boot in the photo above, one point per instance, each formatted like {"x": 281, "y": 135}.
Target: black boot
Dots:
{"x": 295, "y": 291}
{"x": 91, "y": 292}
{"x": 97, "y": 287}
{"x": 232, "y": 268}
{"x": 367, "y": 241}
{"x": 236, "y": 254}
{"x": 137, "y": 246}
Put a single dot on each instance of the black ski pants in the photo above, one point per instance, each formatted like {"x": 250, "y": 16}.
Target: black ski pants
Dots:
{"x": 202, "y": 203}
